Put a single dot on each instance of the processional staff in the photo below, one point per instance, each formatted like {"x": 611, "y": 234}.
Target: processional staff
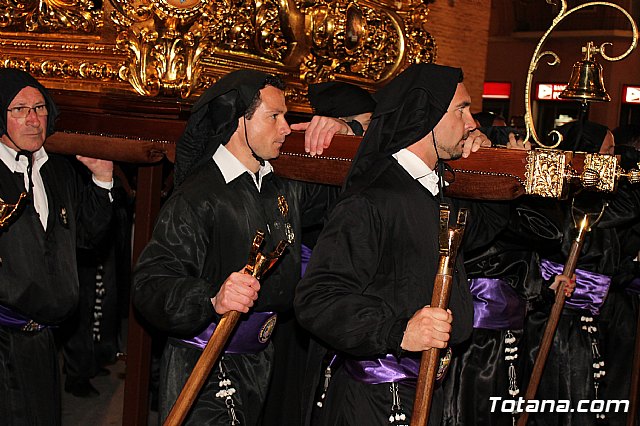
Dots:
{"x": 8, "y": 212}
{"x": 556, "y": 310}
{"x": 257, "y": 266}
{"x": 449, "y": 242}
{"x": 489, "y": 174}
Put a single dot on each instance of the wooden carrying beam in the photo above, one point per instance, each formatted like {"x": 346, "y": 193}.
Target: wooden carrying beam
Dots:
{"x": 116, "y": 148}
{"x": 489, "y": 174}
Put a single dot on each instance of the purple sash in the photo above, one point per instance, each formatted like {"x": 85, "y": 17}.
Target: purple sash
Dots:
{"x": 591, "y": 287}
{"x": 634, "y": 286}
{"x": 383, "y": 370}
{"x": 305, "y": 255}
{"x": 391, "y": 370}
{"x": 496, "y": 306}
{"x": 252, "y": 334}
{"x": 12, "y": 319}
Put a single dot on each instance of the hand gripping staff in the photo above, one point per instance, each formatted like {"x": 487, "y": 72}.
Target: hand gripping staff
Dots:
{"x": 556, "y": 310}
{"x": 449, "y": 238}
{"x": 257, "y": 266}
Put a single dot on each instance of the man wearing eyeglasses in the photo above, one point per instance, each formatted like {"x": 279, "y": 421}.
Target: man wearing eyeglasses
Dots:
{"x": 38, "y": 272}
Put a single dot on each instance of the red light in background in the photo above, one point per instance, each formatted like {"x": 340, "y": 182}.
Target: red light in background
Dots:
{"x": 496, "y": 90}
{"x": 631, "y": 94}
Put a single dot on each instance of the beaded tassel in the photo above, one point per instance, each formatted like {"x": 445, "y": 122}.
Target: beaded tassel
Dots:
{"x": 599, "y": 372}
{"x": 510, "y": 355}
{"x": 97, "y": 308}
{"x": 397, "y": 416}
{"x": 226, "y": 392}
{"x": 325, "y": 386}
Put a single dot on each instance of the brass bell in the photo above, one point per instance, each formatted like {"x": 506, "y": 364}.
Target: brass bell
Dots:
{"x": 586, "y": 83}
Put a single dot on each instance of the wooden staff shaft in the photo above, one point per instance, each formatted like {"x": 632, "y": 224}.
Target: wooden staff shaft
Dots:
{"x": 203, "y": 367}
{"x": 550, "y": 329}
{"x": 635, "y": 378}
{"x": 430, "y": 358}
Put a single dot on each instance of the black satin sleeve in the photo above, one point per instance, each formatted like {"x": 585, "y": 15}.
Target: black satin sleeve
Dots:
{"x": 94, "y": 214}
{"x": 623, "y": 206}
{"x": 485, "y": 222}
{"x": 315, "y": 201}
{"x": 601, "y": 251}
{"x": 332, "y": 301}
{"x": 167, "y": 286}
{"x": 92, "y": 205}
{"x": 513, "y": 255}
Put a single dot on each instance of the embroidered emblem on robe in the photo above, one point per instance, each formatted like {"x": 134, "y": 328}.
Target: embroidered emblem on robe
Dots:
{"x": 267, "y": 329}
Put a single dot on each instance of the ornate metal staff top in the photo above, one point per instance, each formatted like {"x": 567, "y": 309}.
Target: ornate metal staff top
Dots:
{"x": 9, "y": 211}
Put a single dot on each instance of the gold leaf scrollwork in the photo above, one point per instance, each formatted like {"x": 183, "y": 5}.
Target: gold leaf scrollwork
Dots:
{"x": 166, "y": 44}
{"x": 350, "y": 39}
{"x": 50, "y": 16}
{"x": 163, "y": 45}
{"x": 62, "y": 68}
{"x": 422, "y": 45}
{"x": 258, "y": 29}
{"x": 174, "y": 46}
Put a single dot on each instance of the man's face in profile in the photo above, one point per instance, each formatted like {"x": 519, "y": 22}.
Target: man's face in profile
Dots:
{"x": 267, "y": 128}
{"x": 455, "y": 125}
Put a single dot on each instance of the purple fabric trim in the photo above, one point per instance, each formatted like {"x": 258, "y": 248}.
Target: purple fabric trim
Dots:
{"x": 305, "y": 255}
{"x": 383, "y": 370}
{"x": 591, "y": 287}
{"x": 12, "y": 319}
{"x": 496, "y": 306}
{"x": 252, "y": 334}
{"x": 634, "y": 286}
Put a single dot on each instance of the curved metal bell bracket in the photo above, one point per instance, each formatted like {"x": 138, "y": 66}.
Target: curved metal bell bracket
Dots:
{"x": 590, "y": 50}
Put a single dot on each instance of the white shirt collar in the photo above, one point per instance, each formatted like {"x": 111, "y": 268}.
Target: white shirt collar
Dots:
{"x": 8, "y": 157}
{"x": 418, "y": 170}
{"x": 231, "y": 167}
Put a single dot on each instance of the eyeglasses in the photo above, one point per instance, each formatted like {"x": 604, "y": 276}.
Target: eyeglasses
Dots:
{"x": 23, "y": 111}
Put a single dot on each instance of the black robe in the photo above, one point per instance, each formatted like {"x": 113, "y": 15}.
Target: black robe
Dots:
{"x": 569, "y": 372}
{"x": 479, "y": 363}
{"x": 39, "y": 281}
{"x": 203, "y": 234}
{"x": 373, "y": 267}
{"x": 618, "y": 324}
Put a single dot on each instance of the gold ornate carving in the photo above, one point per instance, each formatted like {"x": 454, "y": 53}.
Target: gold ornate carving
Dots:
{"x": 422, "y": 45}
{"x": 50, "y": 16}
{"x": 546, "y": 172}
{"x": 600, "y": 172}
{"x": 166, "y": 44}
{"x": 178, "y": 47}
{"x": 170, "y": 45}
{"x": 350, "y": 39}
{"x": 59, "y": 68}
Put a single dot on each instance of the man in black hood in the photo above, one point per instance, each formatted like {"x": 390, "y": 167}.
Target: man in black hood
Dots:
{"x": 38, "y": 267}
{"x": 370, "y": 278}
{"x": 347, "y": 102}
{"x": 190, "y": 273}
{"x": 340, "y": 109}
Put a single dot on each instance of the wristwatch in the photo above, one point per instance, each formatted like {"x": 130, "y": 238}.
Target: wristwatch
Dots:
{"x": 356, "y": 127}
